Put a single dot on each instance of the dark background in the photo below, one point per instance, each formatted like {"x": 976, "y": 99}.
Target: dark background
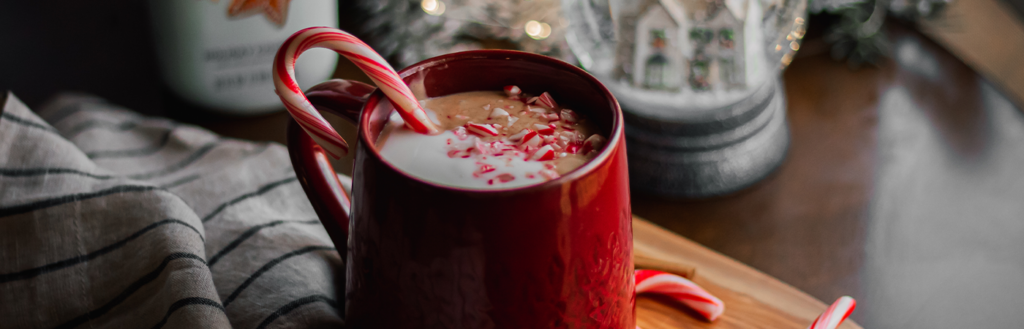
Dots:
{"x": 100, "y": 47}
{"x": 901, "y": 188}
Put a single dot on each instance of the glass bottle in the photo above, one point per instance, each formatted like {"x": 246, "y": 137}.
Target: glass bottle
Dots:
{"x": 218, "y": 54}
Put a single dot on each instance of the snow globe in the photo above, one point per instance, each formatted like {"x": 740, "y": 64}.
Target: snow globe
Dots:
{"x": 699, "y": 83}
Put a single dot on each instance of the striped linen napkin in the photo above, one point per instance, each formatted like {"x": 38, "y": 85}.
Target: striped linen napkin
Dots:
{"x": 109, "y": 219}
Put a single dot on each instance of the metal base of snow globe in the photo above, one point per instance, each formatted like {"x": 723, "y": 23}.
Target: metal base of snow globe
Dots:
{"x": 709, "y": 152}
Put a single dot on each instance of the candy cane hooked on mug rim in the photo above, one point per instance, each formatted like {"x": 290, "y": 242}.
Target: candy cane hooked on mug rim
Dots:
{"x": 363, "y": 57}
{"x": 679, "y": 289}
{"x": 835, "y": 314}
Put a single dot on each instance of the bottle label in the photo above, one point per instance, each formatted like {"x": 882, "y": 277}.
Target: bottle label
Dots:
{"x": 230, "y": 63}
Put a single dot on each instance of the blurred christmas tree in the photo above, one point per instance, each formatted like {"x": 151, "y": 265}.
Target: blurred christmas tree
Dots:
{"x": 857, "y": 35}
{"x": 407, "y": 31}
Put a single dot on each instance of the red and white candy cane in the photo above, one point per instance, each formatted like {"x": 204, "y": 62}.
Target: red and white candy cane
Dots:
{"x": 835, "y": 314}
{"x": 366, "y": 59}
{"x": 681, "y": 290}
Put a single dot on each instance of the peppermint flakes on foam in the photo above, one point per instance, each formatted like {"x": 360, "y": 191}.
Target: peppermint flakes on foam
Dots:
{"x": 519, "y": 135}
{"x": 532, "y": 138}
{"x": 498, "y": 113}
{"x": 569, "y": 116}
{"x": 545, "y": 153}
{"x": 544, "y": 129}
{"x": 547, "y": 100}
{"x": 483, "y": 129}
{"x": 461, "y": 133}
{"x": 511, "y": 158}
{"x": 593, "y": 143}
{"x": 512, "y": 91}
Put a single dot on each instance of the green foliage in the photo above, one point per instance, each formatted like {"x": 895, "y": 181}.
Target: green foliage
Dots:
{"x": 726, "y": 34}
{"x": 857, "y": 35}
{"x": 853, "y": 42}
{"x": 658, "y": 34}
{"x": 701, "y": 35}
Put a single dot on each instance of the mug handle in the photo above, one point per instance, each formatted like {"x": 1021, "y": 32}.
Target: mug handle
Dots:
{"x": 344, "y": 98}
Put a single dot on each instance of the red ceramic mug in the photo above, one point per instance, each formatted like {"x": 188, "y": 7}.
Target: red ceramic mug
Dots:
{"x": 423, "y": 255}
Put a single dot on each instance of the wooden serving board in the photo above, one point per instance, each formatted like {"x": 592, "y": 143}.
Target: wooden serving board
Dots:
{"x": 752, "y": 299}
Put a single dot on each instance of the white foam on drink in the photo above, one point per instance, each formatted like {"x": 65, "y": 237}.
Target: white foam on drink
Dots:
{"x": 426, "y": 157}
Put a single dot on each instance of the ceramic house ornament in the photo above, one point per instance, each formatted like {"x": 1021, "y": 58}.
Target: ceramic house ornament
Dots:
{"x": 697, "y": 45}
{"x": 698, "y": 81}
{"x": 700, "y": 51}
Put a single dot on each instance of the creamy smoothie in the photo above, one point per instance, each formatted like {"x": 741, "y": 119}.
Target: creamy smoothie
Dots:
{"x": 492, "y": 140}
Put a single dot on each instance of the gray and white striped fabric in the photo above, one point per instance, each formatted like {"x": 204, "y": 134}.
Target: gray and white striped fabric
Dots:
{"x": 109, "y": 219}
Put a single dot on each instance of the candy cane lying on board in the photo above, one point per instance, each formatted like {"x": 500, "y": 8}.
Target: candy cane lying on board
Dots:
{"x": 681, "y": 290}
{"x": 366, "y": 59}
{"x": 835, "y": 314}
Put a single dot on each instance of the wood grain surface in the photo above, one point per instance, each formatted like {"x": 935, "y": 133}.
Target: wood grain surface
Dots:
{"x": 752, "y": 299}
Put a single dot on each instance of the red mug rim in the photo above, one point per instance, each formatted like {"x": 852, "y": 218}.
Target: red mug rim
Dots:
{"x": 604, "y": 156}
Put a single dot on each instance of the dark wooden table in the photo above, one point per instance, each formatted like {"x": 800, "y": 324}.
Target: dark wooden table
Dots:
{"x": 903, "y": 186}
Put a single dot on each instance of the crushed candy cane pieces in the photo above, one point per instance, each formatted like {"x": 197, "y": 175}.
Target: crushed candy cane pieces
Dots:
{"x": 546, "y": 100}
{"x": 519, "y": 135}
{"x": 549, "y": 174}
{"x": 545, "y": 153}
{"x": 593, "y": 143}
{"x": 544, "y": 129}
{"x": 460, "y": 132}
{"x": 531, "y": 138}
{"x": 552, "y": 133}
{"x": 482, "y": 129}
{"x": 569, "y": 116}
{"x": 498, "y": 113}
{"x": 512, "y": 90}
